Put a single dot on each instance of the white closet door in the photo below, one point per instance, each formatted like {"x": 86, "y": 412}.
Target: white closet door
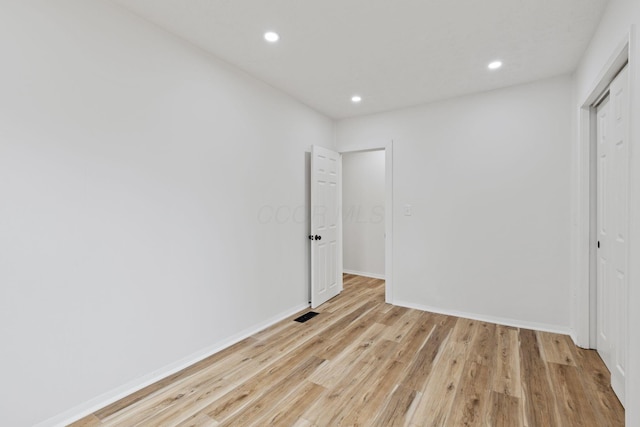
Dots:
{"x": 604, "y": 316}
{"x": 613, "y": 226}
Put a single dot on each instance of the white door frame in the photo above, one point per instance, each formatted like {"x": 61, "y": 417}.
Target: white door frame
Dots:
{"x": 585, "y": 274}
{"x": 628, "y": 48}
{"x": 388, "y": 208}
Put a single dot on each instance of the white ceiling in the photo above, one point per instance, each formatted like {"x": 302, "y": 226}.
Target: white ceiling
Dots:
{"x": 394, "y": 53}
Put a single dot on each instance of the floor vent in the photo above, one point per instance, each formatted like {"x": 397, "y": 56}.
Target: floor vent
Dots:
{"x": 306, "y": 316}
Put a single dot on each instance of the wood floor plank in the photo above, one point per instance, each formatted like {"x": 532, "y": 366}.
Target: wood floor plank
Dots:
{"x": 504, "y": 411}
{"x": 484, "y": 347}
{"x": 289, "y": 412}
{"x": 198, "y": 420}
{"x": 465, "y": 331}
{"x": 438, "y": 395}
{"x": 301, "y": 422}
{"x": 506, "y": 379}
{"x": 393, "y": 315}
{"x": 337, "y": 328}
{"x": 345, "y": 338}
{"x": 384, "y": 308}
{"x": 471, "y": 404}
{"x": 348, "y": 303}
{"x": 354, "y": 382}
{"x": 398, "y": 409}
{"x": 415, "y": 338}
{"x": 330, "y": 373}
{"x": 573, "y": 406}
{"x": 88, "y": 421}
{"x": 366, "y": 406}
{"x": 420, "y": 369}
{"x": 402, "y": 326}
{"x": 539, "y": 397}
{"x": 251, "y": 389}
{"x": 597, "y": 386}
{"x": 273, "y": 394}
{"x": 556, "y": 348}
{"x": 364, "y": 362}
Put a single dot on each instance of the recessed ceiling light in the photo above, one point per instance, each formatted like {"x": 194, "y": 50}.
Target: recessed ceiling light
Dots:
{"x": 356, "y": 98}
{"x": 495, "y": 65}
{"x": 271, "y": 37}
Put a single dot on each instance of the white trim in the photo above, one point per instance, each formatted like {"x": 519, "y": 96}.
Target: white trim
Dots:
{"x": 364, "y": 274}
{"x": 388, "y": 209}
{"x": 609, "y": 71}
{"x": 584, "y": 280}
{"x": 363, "y": 148}
{"x": 105, "y": 399}
{"x": 340, "y": 265}
{"x": 489, "y": 319}
{"x": 388, "y": 203}
{"x": 632, "y": 413}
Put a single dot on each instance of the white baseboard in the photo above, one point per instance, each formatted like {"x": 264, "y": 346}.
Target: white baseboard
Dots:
{"x": 543, "y": 327}
{"x": 99, "y": 402}
{"x": 574, "y": 336}
{"x": 362, "y": 273}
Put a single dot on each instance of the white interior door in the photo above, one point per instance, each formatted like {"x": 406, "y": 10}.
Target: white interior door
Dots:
{"x": 613, "y": 225}
{"x": 326, "y": 225}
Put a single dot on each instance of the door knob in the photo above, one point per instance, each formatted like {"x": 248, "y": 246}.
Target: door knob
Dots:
{"x": 318, "y": 237}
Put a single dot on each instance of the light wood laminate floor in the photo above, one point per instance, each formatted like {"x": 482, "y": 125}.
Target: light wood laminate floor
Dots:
{"x": 367, "y": 363}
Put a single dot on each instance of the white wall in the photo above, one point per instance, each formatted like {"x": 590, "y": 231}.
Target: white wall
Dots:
{"x": 619, "y": 17}
{"x": 487, "y": 177}
{"x": 363, "y": 194}
{"x": 138, "y": 183}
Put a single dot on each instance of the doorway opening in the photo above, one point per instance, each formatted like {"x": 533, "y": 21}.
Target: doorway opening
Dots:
{"x": 367, "y": 213}
{"x": 326, "y": 236}
{"x": 363, "y": 212}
